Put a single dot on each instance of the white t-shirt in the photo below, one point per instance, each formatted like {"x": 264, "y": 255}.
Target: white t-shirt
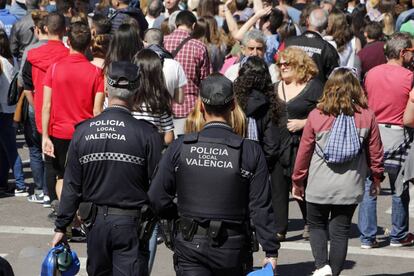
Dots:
{"x": 233, "y": 72}
{"x": 174, "y": 75}
{"x": 150, "y": 21}
{"x": 347, "y": 56}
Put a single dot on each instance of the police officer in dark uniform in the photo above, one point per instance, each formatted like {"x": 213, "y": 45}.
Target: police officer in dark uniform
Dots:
{"x": 220, "y": 181}
{"x": 110, "y": 160}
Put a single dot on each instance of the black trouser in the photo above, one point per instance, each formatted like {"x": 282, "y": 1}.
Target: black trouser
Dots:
{"x": 199, "y": 258}
{"x": 50, "y": 177}
{"x": 55, "y": 166}
{"x": 281, "y": 186}
{"x": 114, "y": 248}
{"x": 339, "y": 224}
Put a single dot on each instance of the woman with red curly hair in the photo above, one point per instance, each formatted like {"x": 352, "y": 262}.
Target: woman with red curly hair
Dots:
{"x": 301, "y": 90}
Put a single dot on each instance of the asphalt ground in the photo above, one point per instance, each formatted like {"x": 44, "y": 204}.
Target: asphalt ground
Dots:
{"x": 25, "y": 233}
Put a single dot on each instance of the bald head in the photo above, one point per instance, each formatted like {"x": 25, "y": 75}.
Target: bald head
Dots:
{"x": 318, "y": 20}
{"x": 154, "y": 36}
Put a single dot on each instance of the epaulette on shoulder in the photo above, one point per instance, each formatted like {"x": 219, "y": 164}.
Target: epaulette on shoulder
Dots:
{"x": 190, "y": 137}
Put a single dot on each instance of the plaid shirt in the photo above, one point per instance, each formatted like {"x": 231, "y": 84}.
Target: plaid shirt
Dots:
{"x": 343, "y": 144}
{"x": 193, "y": 57}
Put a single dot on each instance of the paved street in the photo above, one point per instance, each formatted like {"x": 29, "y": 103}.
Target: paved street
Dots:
{"x": 25, "y": 233}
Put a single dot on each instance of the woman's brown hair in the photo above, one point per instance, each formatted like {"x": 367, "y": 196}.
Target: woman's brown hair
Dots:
{"x": 342, "y": 94}
{"x": 339, "y": 29}
{"x": 79, "y": 17}
{"x": 39, "y": 19}
{"x": 207, "y": 8}
{"x": 103, "y": 5}
{"x": 100, "y": 45}
{"x": 215, "y": 35}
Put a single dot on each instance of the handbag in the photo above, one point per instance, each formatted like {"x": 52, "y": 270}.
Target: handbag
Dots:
{"x": 15, "y": 91}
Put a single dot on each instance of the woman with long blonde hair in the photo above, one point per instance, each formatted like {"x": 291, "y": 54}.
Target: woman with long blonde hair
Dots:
{"x": 195, "y": 120}
{"x": 389, "y": 27}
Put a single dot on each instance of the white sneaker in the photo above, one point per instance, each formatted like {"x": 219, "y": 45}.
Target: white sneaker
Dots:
{"x": 21, "y": 192}
{"x": 323, "y": 271}
{"x": 46, "y": 202}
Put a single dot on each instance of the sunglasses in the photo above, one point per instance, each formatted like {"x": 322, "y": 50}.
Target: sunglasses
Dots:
{"x": 286, "y": 64}
{"x": 408, "y": 50}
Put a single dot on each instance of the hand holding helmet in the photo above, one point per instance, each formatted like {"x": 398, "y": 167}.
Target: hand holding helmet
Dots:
{"x": 60, "y": 259}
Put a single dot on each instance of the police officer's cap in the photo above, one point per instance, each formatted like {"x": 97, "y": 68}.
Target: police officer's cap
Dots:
{"x": 123, "y": 74}
{"x": 216, "y": 90}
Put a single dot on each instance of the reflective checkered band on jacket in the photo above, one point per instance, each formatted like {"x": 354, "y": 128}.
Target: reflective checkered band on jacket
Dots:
{"x": 245, "y": 174}
{"x": 112, "y": 156}
{"x": 252, "y": 132}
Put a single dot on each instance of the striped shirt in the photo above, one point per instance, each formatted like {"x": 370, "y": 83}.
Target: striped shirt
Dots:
{"x": 163, "y": 122}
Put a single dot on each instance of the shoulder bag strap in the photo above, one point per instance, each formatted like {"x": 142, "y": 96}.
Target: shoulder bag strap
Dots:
{"x": 283, "y": 91}
{"x": 180, "y": 46}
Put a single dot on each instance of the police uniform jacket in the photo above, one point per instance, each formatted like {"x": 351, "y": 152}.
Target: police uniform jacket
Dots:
{"x": 322, "y": 52}
{"x": 252, "y": 167}
{"x": 110, "y": 160}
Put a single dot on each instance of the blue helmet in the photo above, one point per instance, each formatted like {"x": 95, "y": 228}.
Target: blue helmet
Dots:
{"x": 265, "y": 271}
{"x": 60, "y": 258}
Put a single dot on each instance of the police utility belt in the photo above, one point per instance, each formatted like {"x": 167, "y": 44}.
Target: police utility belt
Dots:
{"x": 216, "y": 231}
{"x": 145, "y": 223}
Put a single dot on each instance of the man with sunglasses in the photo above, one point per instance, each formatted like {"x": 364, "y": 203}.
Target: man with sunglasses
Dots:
{"x": 388, "y": 86}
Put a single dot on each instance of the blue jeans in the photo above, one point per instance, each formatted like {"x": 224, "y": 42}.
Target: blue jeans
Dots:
{"x": 35, "y": 151}
{"x": 10, "y": 158}
{"x": 367, "y": 219}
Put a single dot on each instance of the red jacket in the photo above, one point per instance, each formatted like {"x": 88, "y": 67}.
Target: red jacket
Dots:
{"x": 337, "y": 183}
{"x": 39, "y": 60}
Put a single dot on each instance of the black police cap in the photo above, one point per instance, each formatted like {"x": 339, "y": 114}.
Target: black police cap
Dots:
{"x": 216, "y": 90}
{"x": 123, "y": 74}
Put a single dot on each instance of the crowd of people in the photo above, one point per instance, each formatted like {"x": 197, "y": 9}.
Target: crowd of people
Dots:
{"x": 323, "y": 87}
